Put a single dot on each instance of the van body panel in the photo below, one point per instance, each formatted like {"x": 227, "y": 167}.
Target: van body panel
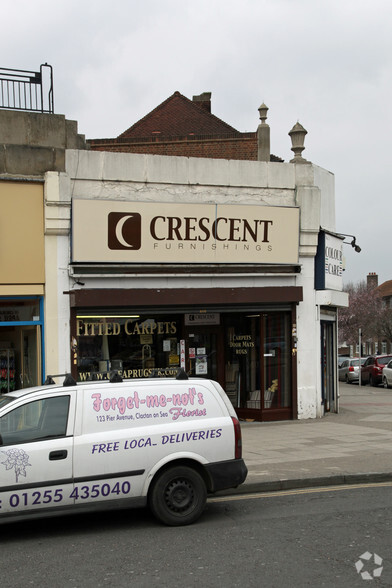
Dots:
{"x": 103, "y": 443}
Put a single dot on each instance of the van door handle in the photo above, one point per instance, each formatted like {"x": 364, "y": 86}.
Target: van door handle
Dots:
{"x": 60, "y": 454}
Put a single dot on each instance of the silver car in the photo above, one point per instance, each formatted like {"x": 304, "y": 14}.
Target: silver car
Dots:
{"x": 387, "y": 375}
{"x": 349, "y": 369}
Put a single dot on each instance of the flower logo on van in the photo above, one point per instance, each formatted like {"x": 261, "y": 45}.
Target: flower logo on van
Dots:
{"x": 18, "y": 460}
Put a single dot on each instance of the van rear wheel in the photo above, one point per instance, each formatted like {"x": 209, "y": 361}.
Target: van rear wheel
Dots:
{"x": 178, "y": 496}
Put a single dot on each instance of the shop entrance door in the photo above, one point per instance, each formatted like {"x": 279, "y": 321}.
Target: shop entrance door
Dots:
{"x": 204, "y": 352}
{"x": 30, "y": 356}
{"x": 328, "y": 378}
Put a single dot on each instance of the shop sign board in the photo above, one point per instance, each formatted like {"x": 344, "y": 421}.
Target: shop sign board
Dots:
{"x": 22, "y": 233}
{"x": 329, "y": 262}
{"x": 112, "y": 231}
{"x": 207, "y": 318}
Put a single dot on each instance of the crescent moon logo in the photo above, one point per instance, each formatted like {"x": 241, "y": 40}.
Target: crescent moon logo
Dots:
{"x": 119, "y": 231}
{"x": 124, "y": 230}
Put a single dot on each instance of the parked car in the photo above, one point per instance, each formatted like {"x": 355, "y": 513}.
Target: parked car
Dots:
{"x": 372, "y": 369}
{"x": 349, "y": 369}
{"x": 387, "y": 375}
{"x": 341, "y": 359}
{"x": 101, "y": 444}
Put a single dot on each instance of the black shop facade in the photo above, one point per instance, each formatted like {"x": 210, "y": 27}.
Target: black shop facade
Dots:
{"x": 159, "y": 292}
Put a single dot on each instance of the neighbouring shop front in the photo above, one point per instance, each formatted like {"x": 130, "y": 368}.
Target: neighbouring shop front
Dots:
{"x": 21, "y": 341}
{"x": 329, "y": 280}
{"x": 328, "y": 364}
{"x": 250, "y": 350}
{"x": 22, "y": 285}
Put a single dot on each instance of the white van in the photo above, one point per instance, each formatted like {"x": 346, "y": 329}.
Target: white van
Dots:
{"x": 99, "y": 444}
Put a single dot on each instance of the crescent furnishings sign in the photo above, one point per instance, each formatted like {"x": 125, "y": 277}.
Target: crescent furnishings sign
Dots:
{"x": 112, "y": 231}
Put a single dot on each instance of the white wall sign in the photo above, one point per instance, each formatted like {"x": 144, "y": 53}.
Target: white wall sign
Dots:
{"x": 112, "y": 231}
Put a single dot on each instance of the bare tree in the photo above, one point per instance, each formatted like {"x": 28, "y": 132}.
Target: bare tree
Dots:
{"x": 385, "y": 324}
{"x": 364, "y": 312}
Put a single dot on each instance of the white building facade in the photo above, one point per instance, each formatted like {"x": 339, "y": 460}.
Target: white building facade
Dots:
{"x": 158, "y": 263}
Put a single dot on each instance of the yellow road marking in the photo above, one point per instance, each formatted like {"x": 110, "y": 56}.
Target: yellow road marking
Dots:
{"x": 298, "y": 491}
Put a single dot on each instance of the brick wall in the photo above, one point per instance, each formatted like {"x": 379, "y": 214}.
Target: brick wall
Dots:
{"x": 243, "y": 148}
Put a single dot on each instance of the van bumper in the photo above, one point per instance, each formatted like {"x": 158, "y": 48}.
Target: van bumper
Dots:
{"x": 226, "y": 474}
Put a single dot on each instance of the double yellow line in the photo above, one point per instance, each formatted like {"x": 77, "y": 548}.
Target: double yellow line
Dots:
{"x": 298, "y": 491}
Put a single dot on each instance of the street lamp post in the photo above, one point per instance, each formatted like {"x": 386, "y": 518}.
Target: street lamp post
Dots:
{"x": 359, "y": 357}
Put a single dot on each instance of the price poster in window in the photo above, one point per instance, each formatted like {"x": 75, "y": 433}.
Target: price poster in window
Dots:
{"x": 201, "y": 365}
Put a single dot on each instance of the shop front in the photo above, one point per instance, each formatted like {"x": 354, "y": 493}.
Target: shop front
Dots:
{"x": 21, "y": 342}
{"x": 242, "y": 337}
{"x": 22, "y": 285}
{"x": 329, "y": 286}
{"x": 248, "y": 348}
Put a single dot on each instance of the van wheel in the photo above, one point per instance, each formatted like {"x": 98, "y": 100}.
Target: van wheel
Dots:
{"x": 178, "y": 496}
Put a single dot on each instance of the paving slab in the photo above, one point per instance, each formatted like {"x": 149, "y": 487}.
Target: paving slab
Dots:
{"x": 352, "y": 446}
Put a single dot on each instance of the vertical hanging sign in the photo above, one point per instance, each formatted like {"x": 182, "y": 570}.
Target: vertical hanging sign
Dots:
{"x": 182, "y": 353}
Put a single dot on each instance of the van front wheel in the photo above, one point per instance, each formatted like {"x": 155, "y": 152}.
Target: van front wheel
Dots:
{"x": 178, "y": 496}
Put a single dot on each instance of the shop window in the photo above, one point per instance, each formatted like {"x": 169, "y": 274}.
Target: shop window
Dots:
{"x": 242, "y": 360}
{"x": 277, "y": 360}
{"x": 21, "y": 322}
{"x": 258, "y": 360}
{"x": 138, "y": 346}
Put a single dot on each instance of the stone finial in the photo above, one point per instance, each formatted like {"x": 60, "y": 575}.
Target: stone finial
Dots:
{"x": 263, "y": 113}
{"x": 297, "y": 135}
{"x": 263, "y": 136}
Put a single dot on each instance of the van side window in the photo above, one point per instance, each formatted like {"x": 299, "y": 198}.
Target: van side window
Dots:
{"x": 36, "y": 420}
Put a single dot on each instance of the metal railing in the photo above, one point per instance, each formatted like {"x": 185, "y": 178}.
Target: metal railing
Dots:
{"x": 27, "y": 90}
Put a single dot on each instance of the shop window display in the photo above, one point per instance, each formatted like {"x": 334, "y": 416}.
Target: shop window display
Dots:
{"x": 20, "y": 343}
{"x": 242, "y": 369}
{"x": 248, "y": 353}
{"x": 277, "y": 360}
{"x": 137, "y": 346}
{"x": 258, "y": 375}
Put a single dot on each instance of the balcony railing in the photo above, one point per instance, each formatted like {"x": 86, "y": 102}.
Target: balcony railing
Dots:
{"x": 27, "y": 90}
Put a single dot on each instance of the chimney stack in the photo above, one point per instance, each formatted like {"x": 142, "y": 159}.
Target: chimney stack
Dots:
{"x": 203, "y": 100}
{"x": 372, "y": 280}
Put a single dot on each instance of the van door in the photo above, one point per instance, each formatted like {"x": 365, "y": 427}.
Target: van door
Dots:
{"x": 109, "y": 456}
{"x": 36, "y": 461}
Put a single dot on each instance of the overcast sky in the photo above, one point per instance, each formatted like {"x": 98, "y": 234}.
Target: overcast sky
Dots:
{"x": 324, "y": 63}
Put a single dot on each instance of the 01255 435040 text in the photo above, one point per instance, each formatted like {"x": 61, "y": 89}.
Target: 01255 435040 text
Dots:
{"x": 42, "y": 498}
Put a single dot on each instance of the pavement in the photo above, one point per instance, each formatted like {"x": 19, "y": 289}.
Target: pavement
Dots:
{"x": 350, "y": 447}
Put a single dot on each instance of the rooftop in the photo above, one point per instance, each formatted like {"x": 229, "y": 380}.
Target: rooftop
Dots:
{"x": 179, "y": 116}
